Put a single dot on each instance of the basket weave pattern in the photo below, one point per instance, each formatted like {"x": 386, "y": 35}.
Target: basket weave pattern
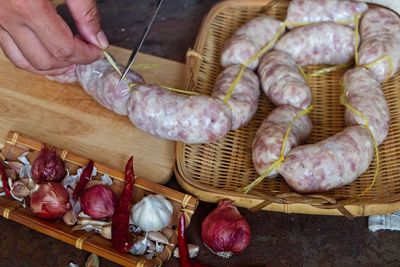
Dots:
{"x": 219, "y": 169}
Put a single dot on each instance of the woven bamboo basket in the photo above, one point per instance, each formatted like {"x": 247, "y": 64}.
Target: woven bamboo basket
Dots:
{"x": 16, "y": 144}
{"x": 217, "y": 170}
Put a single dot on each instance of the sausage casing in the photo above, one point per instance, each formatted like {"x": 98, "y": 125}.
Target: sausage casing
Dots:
{"x": 244, "y": 99}
{"x": 101, "y": 81}
{"x": 312, "y": 11}
{"x": 364, "y": 93}
{"x": 331, "y": 163}
{"x": 248, "y": 40}
{"x": 380, "y": 37}
{"x": 188, "y": 119}
{"x": 320, "y": 43}
{"x": 267, "y": 144}
{"x": 282, "y": 81}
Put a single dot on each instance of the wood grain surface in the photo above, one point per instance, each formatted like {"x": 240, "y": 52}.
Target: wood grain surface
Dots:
{"x": 65, "y": 116}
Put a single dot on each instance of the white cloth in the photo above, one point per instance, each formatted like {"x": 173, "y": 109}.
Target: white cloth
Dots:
{"x": 384, "y": 222}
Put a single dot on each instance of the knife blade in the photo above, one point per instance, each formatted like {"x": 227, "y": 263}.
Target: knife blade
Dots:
{"x": 137, "y": 47}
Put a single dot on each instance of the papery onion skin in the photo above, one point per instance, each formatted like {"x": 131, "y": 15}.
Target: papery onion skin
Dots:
{"x": 225, "y": 229}
{"x": 48, "y": 166}
{"x": 50, "y": 201}
{"x": 99, "y": 202}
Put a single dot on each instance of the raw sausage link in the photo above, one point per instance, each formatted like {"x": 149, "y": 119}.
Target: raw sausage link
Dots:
{"x": 248, "y": 40}
{"x": 364, "y": 93}
{"x": 312, "y": 11}
{"x": 244, "y": 99}
{"x": 380, "y": 36}
{"x": 188, "y": 119}
{"x": 282, "y": 82}
{"x": 321, "y": 43}
{"x": 268, "y": 141}
{"x": 100, "y": 80}
{"x": 332, "y": 163}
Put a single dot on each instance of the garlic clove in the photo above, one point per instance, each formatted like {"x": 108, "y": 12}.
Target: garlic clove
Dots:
{"x": 85, "y": 221}
{"x": 106, "y": 232}
{"x": 167, "y": 232}
{"x": 86, "y": 228}
{"x": 92, "y": 261}
{"x": 20, "y": 190}
{"x": 139, "y": 247}
{"x": 158, "y": 237}
{"x": 151, "y": 247}
{"x": 28, "y": 182}
{"x": 83, "y": 215}
{"x": 193, "y": 251}
{"x": 70, "y": 218}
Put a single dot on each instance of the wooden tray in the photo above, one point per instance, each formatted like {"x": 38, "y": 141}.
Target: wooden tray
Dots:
{"x": 217, "y": 170}
{"x": 16, "y": 144}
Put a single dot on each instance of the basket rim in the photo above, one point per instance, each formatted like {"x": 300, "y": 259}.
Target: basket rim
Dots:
{"x": 209, "y": 194}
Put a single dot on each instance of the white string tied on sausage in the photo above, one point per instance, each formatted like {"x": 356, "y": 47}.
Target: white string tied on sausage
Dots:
{"x": 380, "y": 60}
{"x": 295, "y": 24}
{"x": 248, "y": 61}
{"x": 366, "y": 125}
{"x": 277, "y": 163}
{"x": 131, "y": 84}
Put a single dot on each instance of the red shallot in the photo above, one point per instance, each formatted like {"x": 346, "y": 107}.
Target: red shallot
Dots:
{"x": 50, "y": 201}
{"x": 99, "y": 202}
{"x": 48, "y": 166}
{"x": 225, "y": 231}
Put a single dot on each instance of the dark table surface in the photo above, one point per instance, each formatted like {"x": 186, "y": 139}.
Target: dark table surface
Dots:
{"x": 277, "y": 239}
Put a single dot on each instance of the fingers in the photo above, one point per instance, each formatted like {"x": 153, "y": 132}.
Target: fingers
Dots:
{"x": 57, "y": 38}
{"x": 87, "y": 20}
{"x": 18, "y": 59}
{"x": 37, "y": 39}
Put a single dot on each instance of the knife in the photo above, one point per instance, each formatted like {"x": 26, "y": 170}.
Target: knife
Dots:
{"x": 137, "y": 47}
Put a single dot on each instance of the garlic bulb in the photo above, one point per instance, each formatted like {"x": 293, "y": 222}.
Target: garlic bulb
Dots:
{"x": 152, "y": 213}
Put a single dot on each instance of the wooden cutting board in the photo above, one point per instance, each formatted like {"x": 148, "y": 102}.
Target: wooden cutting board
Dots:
{"x": 63, "y": 115}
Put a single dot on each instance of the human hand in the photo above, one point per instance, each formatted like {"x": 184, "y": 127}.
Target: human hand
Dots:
{"x": 35, "y": 38}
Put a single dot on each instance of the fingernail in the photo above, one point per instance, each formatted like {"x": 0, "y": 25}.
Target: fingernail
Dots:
{"x": 102, "y": 39}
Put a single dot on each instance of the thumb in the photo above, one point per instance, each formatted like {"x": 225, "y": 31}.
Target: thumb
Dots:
{"x": 87, "y": 20}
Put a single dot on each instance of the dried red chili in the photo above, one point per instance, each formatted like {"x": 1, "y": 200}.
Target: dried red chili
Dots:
{"x": 4, "y": 179}
{"x": 120, "y": 223}
{"x": 83, "y": 180}
{"x": 184, "y": 257}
